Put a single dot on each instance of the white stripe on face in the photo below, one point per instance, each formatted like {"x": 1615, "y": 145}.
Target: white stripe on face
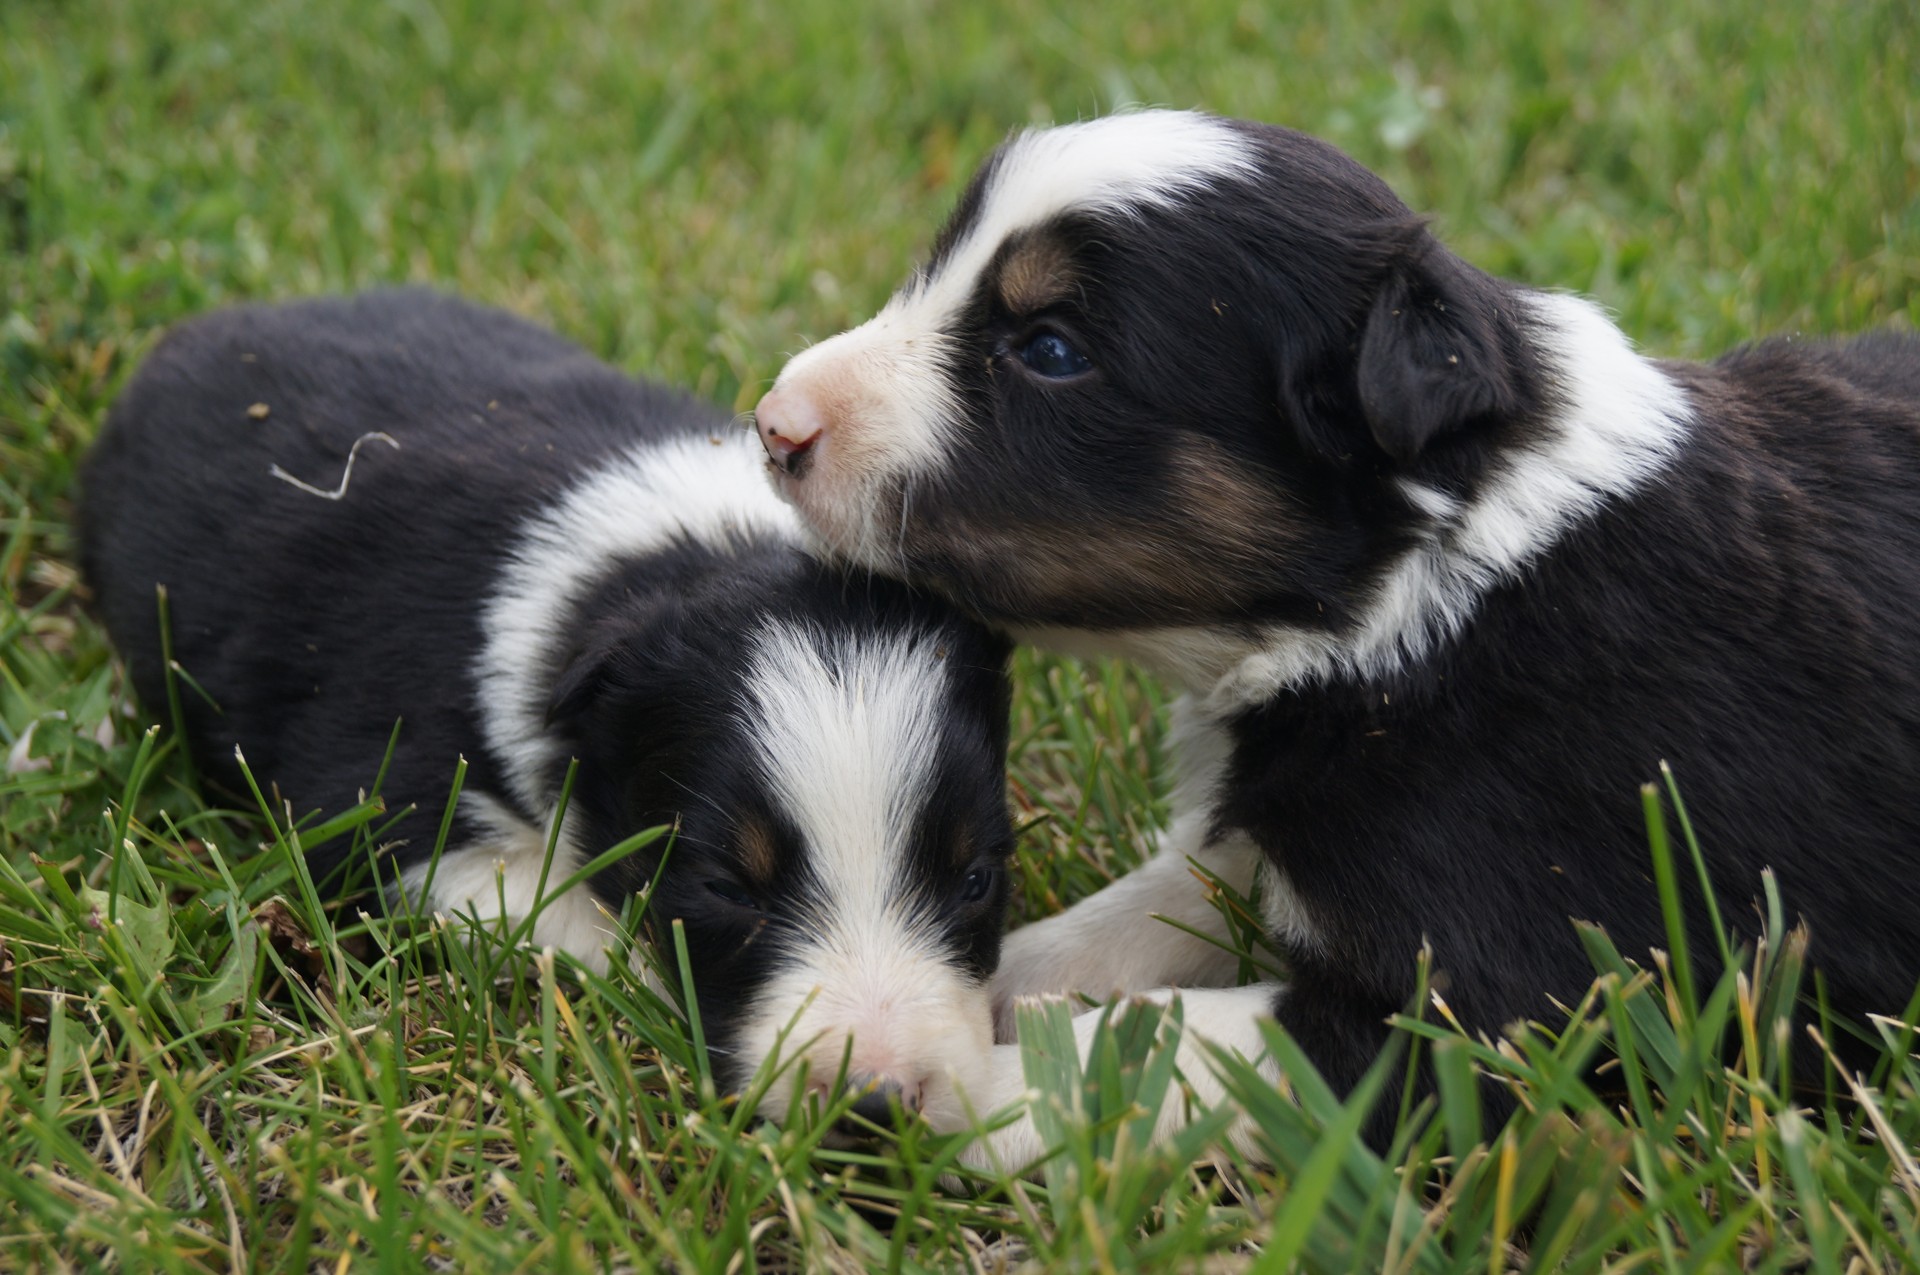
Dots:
{"x": 883, "y": 388}
{"x": 849, "y": 732}
{"x": 1109, "y": 165}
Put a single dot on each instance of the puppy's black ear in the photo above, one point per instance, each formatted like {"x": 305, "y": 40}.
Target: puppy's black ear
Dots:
{"x": 627, "y": 703}
{"x": 623, "y": 661}
{"x": 1435, "y": 354}
{"x": 585, "y": 679}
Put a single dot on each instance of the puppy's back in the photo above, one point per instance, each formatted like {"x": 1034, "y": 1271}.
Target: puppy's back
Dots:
{"x": 228, "y": 472}
{"x": 229, "y": 396}
{"x": 1884, "y": 364}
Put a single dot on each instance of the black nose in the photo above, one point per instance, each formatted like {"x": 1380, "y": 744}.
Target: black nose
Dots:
{"x": 876, "y": 1105}
{"x": 875, "y": 1100}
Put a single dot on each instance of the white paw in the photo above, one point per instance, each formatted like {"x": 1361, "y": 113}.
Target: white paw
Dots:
{"x": 1229, "y": 1018}
{"x": 1086, "y": 956}
{"x": 975, "y": 1091}
{"x": 1043, "y": 959}
{"x": 1157, "y": 926}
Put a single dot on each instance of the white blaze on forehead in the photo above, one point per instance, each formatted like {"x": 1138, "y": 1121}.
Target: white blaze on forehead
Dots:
{"x": 848, "y": 731}
{"x": 1113, "y": 164}
{"x": 884, "y": 385}
{"x": 703, "y": 487}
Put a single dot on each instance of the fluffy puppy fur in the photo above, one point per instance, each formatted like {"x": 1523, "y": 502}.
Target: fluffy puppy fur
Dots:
{"x": 1444, "y": 567}
{"x": 404, "y": 506}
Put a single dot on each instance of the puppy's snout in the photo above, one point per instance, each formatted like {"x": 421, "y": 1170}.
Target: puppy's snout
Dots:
{"x": 789, "y": 424}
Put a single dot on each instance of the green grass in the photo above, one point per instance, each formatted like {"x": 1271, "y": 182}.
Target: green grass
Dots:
{"x": 200, "y": 1067}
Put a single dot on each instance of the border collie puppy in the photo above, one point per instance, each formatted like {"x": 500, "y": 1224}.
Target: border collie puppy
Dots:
{"x": 405, "y": 506}
{"x": 1444, "y": 567}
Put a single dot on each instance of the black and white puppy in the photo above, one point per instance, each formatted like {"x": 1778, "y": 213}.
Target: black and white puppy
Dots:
{"x": 405, "y": 506}
{"x": 1444, "y": 568}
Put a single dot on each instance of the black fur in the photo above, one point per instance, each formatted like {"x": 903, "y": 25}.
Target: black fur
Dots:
{"x": 1271, "y": 359}
{"x": 1290, "y": 339}
{"x": 315, "y": 624}
{"x": 1736, "y": 618}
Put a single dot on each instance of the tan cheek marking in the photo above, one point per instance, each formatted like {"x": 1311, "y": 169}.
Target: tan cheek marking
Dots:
{"x": 1238, "y": 518}
{"x": 1100, "y": 564}
{"x": 1230, "y": 526}
{"x": 1062, "y": 563}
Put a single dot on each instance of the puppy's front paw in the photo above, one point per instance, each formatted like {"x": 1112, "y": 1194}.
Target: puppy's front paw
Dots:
{"x": 1227, "y": 1018}
{"x": 1149, "y": 929}
{"x": 977, "y": 1090}
{"x": 1047, "y": 958}
{"x": 1089, "y": 957}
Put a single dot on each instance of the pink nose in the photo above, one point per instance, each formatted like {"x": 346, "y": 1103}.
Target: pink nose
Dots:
{"x": 789, "y": 426}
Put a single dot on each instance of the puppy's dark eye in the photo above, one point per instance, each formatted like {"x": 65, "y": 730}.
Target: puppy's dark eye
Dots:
{"x": 729, "y": 892}
{"x": 977, "y": 885}
{"x": 1049, "y": 354}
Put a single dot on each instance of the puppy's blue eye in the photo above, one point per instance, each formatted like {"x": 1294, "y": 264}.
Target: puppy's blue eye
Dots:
{"x": 728, "y": 892}
{"x": 977, "y": 885}
{"x": 1049, "y": 354}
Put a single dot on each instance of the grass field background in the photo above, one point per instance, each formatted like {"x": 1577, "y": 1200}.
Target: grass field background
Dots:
{"x": 197, "y": 1070}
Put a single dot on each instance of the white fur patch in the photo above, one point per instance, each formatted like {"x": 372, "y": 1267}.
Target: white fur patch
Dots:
{"x": 699, "y": 486}
{"x": 883, "y": 386}
{"x": 1114, "y": 164}
{"x": 1227, "y": 1017}
{"x": 1123, "y": 940}
{"x": 1622, "y": 421}
{"x": 497, "y": 877}
{"x": 847, "y": 727}
{"x": 1115, "y": 942}
{"x": 1284, "y": 911}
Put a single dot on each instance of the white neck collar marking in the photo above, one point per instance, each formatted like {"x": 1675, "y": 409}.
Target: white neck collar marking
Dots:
{"x": 1622, "y": 422}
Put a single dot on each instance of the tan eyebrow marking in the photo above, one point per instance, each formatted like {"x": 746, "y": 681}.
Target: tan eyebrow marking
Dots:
{"x": 757, "y": 852}
{"x": 1037, "y": 273}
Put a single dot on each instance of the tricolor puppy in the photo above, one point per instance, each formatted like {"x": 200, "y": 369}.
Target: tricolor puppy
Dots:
{"x": 1445, "y": 569}
{"x": 404, "y": 506}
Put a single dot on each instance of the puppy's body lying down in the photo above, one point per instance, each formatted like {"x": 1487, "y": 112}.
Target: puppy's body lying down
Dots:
{"x": 539, "y": 559}
{"x": 1445, "y": 568}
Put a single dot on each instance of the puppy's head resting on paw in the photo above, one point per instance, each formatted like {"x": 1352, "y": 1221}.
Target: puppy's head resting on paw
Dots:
{"x": 834, "y": 768}
{"x": 570, "y": 568}
{"x": 1177, "y": 381}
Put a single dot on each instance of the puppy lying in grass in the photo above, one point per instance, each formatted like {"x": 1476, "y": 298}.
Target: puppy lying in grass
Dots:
{"x": 1445, "y": 569}
{"x": 400, "y": 506}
